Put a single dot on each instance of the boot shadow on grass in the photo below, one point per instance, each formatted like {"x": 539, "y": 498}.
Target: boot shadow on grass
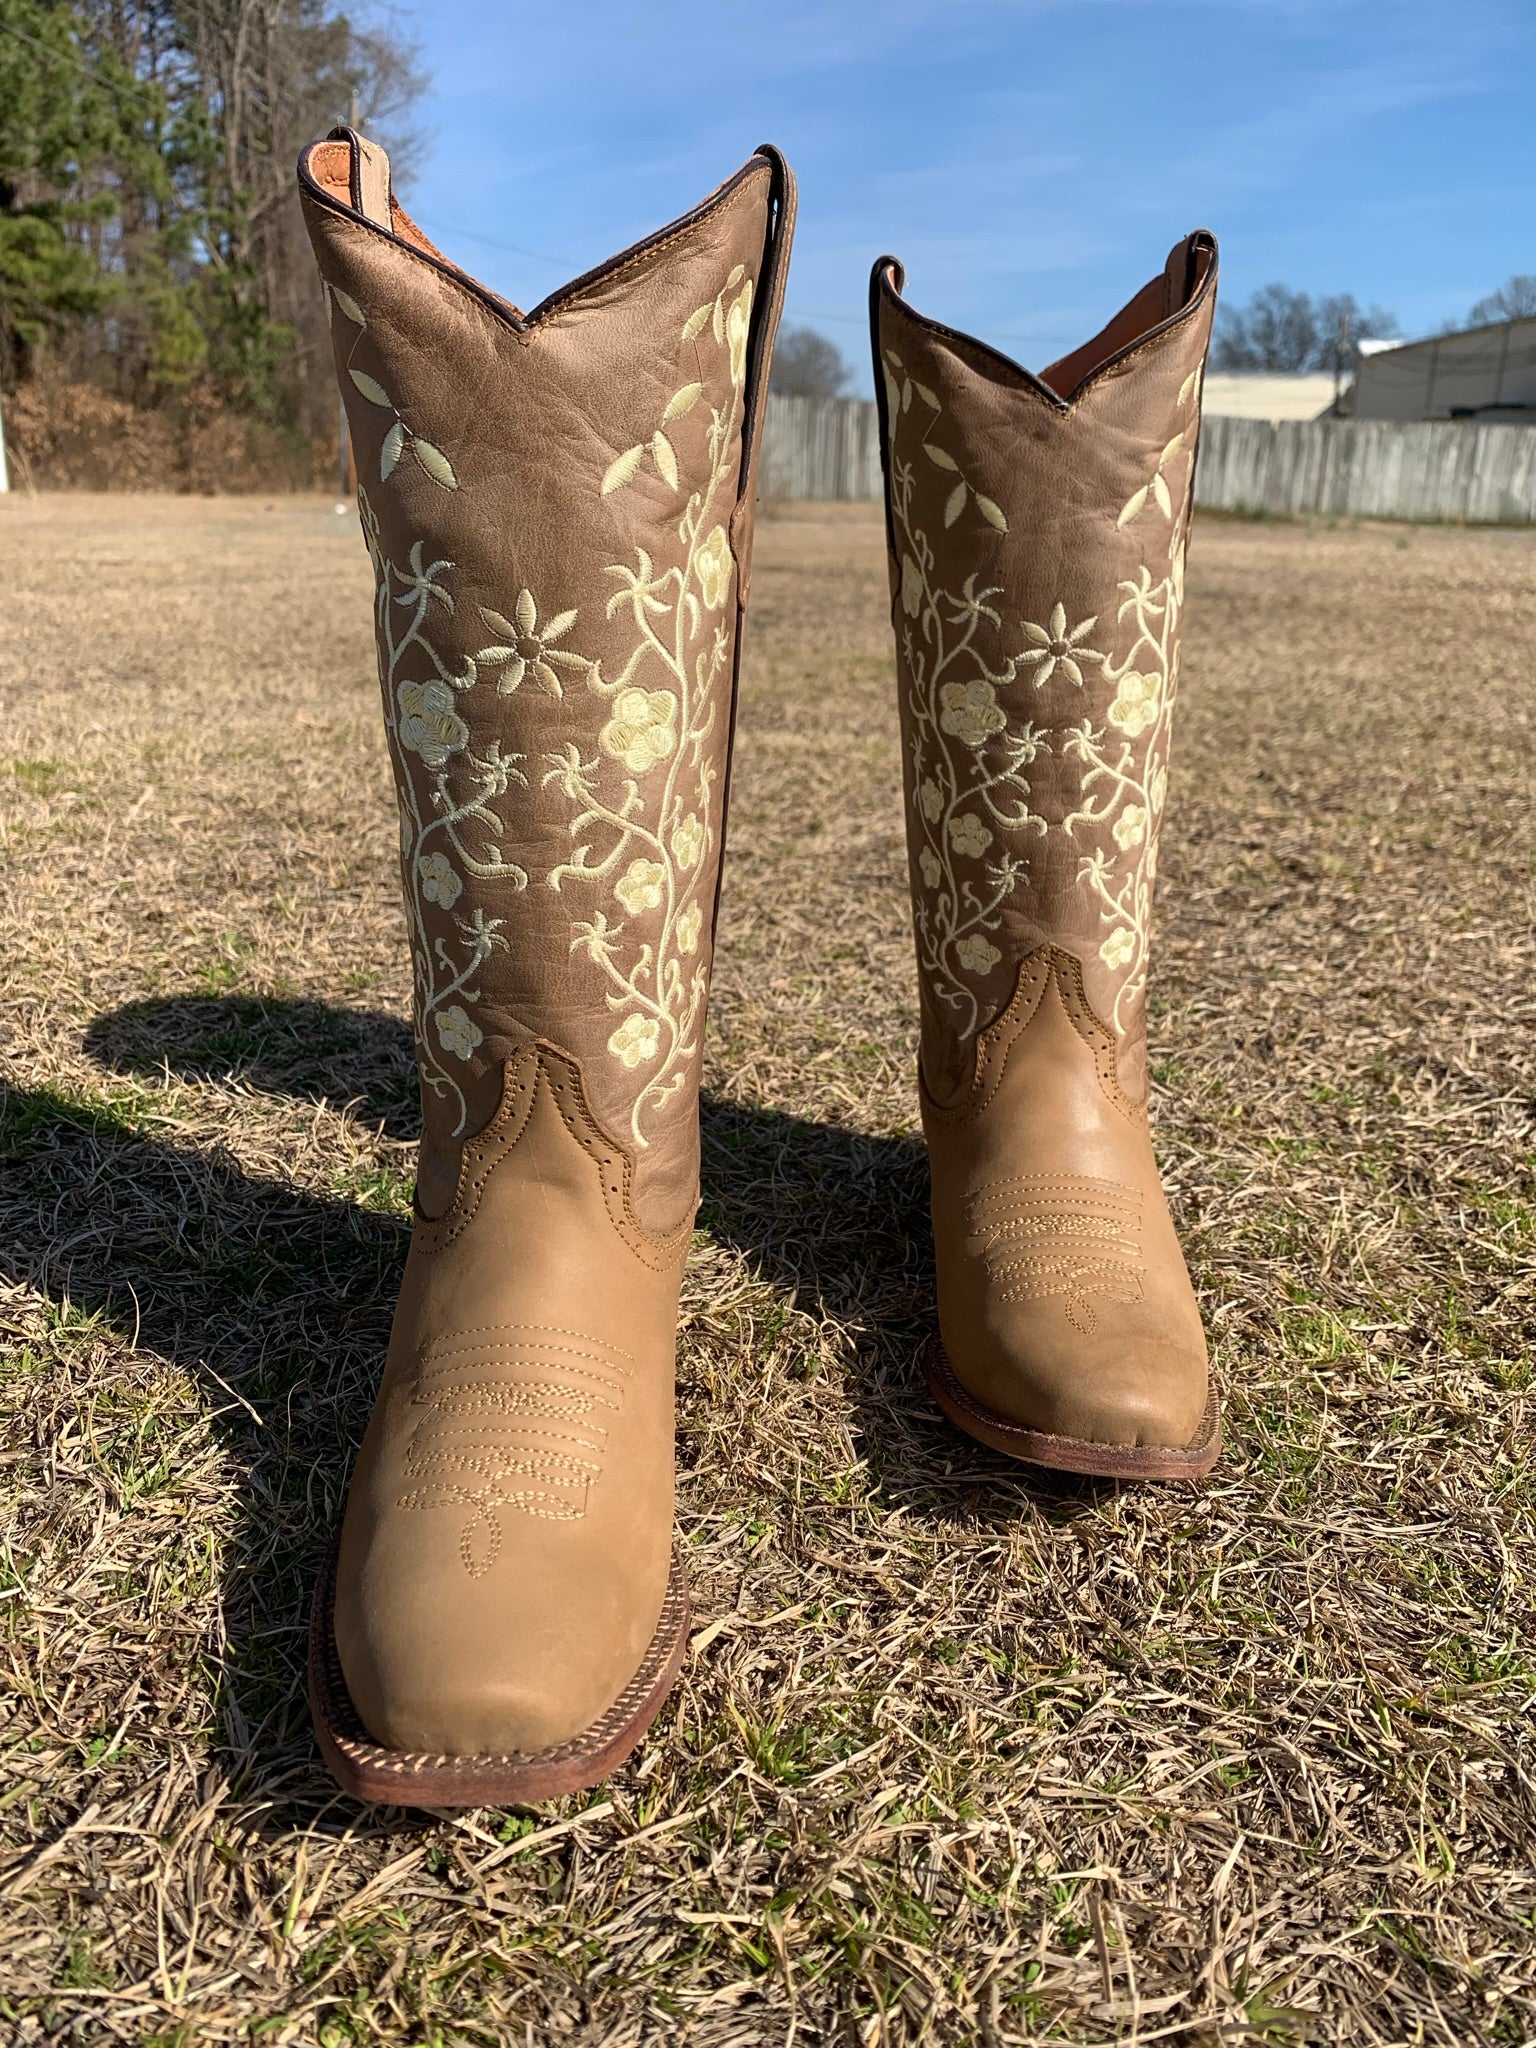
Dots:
{"x": 277, "y": 1301}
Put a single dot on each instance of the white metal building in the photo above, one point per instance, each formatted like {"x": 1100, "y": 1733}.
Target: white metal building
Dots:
{"x": 1487, "y": 374}
{"x": 1254, "y": 395}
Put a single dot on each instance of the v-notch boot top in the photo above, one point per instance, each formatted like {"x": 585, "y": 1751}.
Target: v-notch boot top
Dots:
{"x": 1037, "y": 529}
{"x": 558, "y": 509}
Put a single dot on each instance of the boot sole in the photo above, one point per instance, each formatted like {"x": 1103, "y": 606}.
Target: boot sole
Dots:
{"x": 392, "y": 1777}
{"x": 1070, "y": 1453}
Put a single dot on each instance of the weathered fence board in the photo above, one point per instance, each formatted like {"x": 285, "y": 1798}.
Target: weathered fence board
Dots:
{"x": 1366, "y": 469}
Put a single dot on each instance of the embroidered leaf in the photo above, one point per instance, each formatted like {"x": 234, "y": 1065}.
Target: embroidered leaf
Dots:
{"x": 495, "y": 657}
{"x": 1160, "y": 493}
{"x": 892, "y": 395}
{"x": 693, "y": 326}
{"x": 893, "y": 359}
{"x": 325, "y": 293}
{"x": 1132, "y": 506}
{"x": 955, "y": 504}
{"x": 498, "y": 624}
{"x": 350, "y": 307}
{"x": 558, "y": 628}
{"x": 681, "y": 402}
{"x": 389, "y": 454}
{"x": 1171, "y": 450}
{"x": 371, "y": 389}
{"x": 925, "y": 395}
{"x": 717, "y": 323}
{"x": 663, "y": 457}
{"x": 435, "y": 463}
{"x": 622, "y": 468}
{"x": 938, "y": 455}
{"x": 735, "y": 277}
{"x": 564, "y": 655}
{"x": 992, "y": 513}
{"x": 1188, "y": 385}
{"x": 526, "y": 612}
{"x": 906, "y": 395}
{"x": 546, "y": 679}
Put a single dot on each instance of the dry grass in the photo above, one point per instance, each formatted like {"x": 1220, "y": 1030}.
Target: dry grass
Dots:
{"x": 960, "y": 1755}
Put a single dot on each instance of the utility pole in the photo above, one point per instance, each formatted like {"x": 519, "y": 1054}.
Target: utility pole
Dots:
{"x": 1340, "y": 357}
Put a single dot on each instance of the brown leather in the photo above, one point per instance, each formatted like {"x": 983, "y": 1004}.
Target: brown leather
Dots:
{"x": 556, "y": 506}
{"x": 1038, "y": 529}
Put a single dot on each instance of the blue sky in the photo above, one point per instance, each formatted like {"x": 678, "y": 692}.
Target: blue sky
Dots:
{"x": 1029, "y": 160}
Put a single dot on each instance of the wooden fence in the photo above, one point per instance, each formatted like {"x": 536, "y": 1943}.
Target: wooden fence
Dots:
{"x": 1366, "y": 469}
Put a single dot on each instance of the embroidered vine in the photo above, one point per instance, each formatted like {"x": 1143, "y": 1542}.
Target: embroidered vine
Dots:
{"x": 974, "y": 807}
{"x": 645, "y": 832}
{"x": 641, "y": 801}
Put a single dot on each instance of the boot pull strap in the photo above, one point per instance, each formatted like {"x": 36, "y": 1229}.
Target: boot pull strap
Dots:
{"x": 370, "y": 178}
{"x": 775, "y": 276}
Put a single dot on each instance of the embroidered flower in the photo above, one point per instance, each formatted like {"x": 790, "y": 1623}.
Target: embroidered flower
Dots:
{"x": 636, "y": 1039}
{"x": 429, "y": 725}
{"x": 713, "y": 562}
{"x": 1131, "y": 826}
{"x": 968, "y": 835}
{"x": 439, "y": 884}
{"x": 971, "y": 711}
{"x": 1052, "y": 647}
{"x": 911, "y": 587}
{"x": 928, "y": 861}
{"x": 642, "y": 730}
{"x": 688, "y": 842}
{"x": 687, "y": 929}
{"x": 738, "y": 328}
{"x": 641, "y": 886}
{"x": 975, "y": 955}
{"x": 460, "y": 1036}
{"x": 931, "y": 799}
{"x": 1119, "y": 947}
{"x": 528, "y": 648}
{"x": 1135, "y": 705}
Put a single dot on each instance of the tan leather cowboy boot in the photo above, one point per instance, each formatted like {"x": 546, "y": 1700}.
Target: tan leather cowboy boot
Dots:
{"x": 1038, "y": 528}
{"x": 558, "y": 506}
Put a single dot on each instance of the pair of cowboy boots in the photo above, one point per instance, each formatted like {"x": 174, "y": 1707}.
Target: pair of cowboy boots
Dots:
{"x": 559, "y": 510}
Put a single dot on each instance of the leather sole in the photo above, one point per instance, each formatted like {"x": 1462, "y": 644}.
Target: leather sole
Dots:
{"x": 1070, "y": 1453}
{"x": 392, "y": 1777}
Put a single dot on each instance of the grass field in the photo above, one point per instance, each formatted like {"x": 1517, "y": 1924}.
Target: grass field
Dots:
{"x": 961, "y": 1755}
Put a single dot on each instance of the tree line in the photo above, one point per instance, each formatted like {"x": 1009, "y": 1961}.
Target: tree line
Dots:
{"x": 150, "y": 239}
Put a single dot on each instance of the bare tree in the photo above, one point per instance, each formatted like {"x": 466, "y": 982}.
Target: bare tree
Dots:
{"x": 807, "y": 365}
{"x": 1288, "y": 332}
{"x": 1515, "y": 299}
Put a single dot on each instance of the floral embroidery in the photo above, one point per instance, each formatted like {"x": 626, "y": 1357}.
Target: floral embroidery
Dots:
{"x": 1052, "y": 647}
{"x": 439, "y": 884}
{"x": 976, "y": 954}
{"x": 1135, "y": 705}
{"x": 641, "y": 886}
{"x": 400, "y": 438}
{"x": 971, "y": 711}
{"x": 968, "y": 835}
{"x": 650, "y": 847}
{"x": 1131, "y": 826}
{"x": 459, "y": 1033}
{"x": 642, "y": 731}
{"x": 688, "y": 842}
{"x": 713, "y": 563}
{"x": 529, "y": 648}
{"x": 451, "y": 826}
{"x": 636, "y": 1039}
{"x": 648, "y": 837}
{"x": 971, "y": 758}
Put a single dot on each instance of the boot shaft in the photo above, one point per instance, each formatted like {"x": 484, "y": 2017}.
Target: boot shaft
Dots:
{"x": 558, "y": 508}
{"x": 1037, "y": 529}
